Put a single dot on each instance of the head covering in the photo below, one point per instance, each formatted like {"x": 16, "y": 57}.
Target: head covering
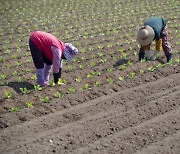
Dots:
{"x": 145, "y": 35}
{"x": 70, "y": 51}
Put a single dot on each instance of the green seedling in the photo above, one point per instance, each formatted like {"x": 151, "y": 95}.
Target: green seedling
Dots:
{"x": 78, "y": 80}
{"x": 37, "y": 87}
{"x": 90, "y": 76}
{"x": 135, "y": 53}
{"x": 104, "y": 60}
{"x": 121, "y": 78}
{"x": 20, "y": 79}
{"x": 100, "y": 54}
{"x": 45, "y": 99}
{"x": 8, "y": 94}
{"x": 52, "y": 84}
{"x": 33, "y": 77}
{"x": 122, "y": 67}
{"x": 129, "y": 63}
{"x": 132, "y": 74}
{"x": 92, "y": 64}
{"x": 71, "y": 91}
{"x": 3, "y": 76}
{"x": 110, "y": 80}
{"x": 151, "y": 68}
{"x": 24, "y": 90}
{"x": 1, "y": 59}
{"x": 160, "y": 65}
{"x": 86, "y": 86}
{"x": 98, "y": 84}
{"x": 81, "y": 66}
{"x": 141, "y": 71}
{"x": 14, "y": 109}
{"x": 29, "y": 105}
{"x": 70, "y": 67}
{"x": 27, "y": 70}
{"x": 177, "y": 60}
{"x": 15, "y": 73}
{"x": 109, "y": 70}
{"x": 58, "y": 95}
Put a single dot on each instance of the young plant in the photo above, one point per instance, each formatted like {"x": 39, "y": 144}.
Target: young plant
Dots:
{"x": 81, "y": 66}
{"x": 151, "y": 68}
{"x": 24, "y": 90}
{"x": 71, "y": 91}
{"x": 78, "y": 80}
{"x": 20, "y": 79}
{"x": 33, "y": 77}
{"x": 109, "y": 70}
{"x": 90, "y": 76}
{"x": 70, "y": 67}
{"x": 29, "y": 105}
{"x": 8, "y": 94}
{"x": 37, "y": 87}
{"x": 45, "y": 99}
{"x": 86, "y": 86}
{"x": 121, "y": 78}
{"x": 1, "y": 59}
{"x": 132, "y": 74}
{"x": 122, "y": 67}
{"x": 110, "y": 80}
{"x": 160, "y": 65}
{"x": 58, "y": 95}
{"x": 14, "y": 109}
{"x": 129, "y": 63}
{"x": 104, "y": 60}
{"x": 3, "y": 76}
{"x": 15, "y": 73}
{"x": 97, "y": 84}
{"x": 52, "y": 84}
{"x": 141, "y": 71}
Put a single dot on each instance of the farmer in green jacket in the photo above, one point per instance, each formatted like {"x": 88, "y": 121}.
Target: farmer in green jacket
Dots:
{"x": 155, "y": 28}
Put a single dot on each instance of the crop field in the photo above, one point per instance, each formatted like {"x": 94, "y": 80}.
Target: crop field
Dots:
{"x": 108, "y": 101}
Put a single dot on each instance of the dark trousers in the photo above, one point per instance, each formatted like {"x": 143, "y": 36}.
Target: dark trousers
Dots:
{"x": 38, "y": 56}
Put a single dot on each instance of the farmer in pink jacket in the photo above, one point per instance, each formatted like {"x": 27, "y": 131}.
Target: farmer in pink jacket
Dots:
{"x": 48, "y": 51}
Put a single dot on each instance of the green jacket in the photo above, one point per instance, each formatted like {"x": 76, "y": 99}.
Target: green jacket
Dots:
{"x": 157, "y": 24}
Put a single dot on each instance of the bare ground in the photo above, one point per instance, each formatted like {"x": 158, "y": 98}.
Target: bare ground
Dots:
{"x": 141, "y": 119}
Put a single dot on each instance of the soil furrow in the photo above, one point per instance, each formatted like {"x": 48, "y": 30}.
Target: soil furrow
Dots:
{"x": 170, "y": 144}
{"x": 109, "y": 122}
{"x": 135, "y": 138}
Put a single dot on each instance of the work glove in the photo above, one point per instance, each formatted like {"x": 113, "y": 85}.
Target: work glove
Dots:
{"x": 57, "y": 76}
{"x": 169, "y": 57}
{"x": 153, "y": 57}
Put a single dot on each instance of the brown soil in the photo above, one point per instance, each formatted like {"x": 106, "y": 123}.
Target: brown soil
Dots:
{"x": 139, "y": 114}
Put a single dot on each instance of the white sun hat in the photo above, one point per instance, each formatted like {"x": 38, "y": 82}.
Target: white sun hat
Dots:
{"x": 70, "y": 51}
{"x": 145, "y": 35}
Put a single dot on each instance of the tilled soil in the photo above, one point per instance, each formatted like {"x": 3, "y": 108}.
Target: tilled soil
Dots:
{"x": 141, "y": 119}
{"x": 114, "y": 109}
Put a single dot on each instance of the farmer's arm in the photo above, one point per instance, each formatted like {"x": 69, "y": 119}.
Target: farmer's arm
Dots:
{"x": 57, "y": 65}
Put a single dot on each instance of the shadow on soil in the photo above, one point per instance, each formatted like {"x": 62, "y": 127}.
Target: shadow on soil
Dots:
{"x": 17, "y": 85}
{"x": 121, "y": 62}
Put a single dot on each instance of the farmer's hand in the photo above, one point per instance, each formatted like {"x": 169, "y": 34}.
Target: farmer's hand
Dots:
{"x": 153, "y": 57}
{"x": 57, "y": 76}
{"x": 147, "y": 54}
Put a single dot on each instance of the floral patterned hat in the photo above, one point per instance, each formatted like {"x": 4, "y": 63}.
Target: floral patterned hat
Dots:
{"x": 70, "y": 51}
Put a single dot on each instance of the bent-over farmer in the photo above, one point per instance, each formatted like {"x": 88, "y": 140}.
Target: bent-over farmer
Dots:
{"x": 48, "y": 51}
{"x": 155, "y": 28}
